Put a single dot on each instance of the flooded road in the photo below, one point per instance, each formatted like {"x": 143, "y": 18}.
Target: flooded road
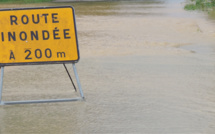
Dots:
{"x": 146, "y": 67}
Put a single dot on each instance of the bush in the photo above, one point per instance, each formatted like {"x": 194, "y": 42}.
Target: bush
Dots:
{"x": 190, "y": 7}
{"x": 213, "y": 3}
{"x": 205, "y": 5}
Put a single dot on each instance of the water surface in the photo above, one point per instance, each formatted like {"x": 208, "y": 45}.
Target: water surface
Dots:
{"x": 145, "y": 67}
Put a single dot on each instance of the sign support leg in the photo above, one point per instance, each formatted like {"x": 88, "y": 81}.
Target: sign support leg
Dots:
{"x": 1, "y": 84}
{"x": 70, "y": 77}
{"x": 41, "y": 101}
{"x": 77, "y": 79}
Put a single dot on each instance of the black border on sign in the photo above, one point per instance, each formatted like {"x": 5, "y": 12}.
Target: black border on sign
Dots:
{"x": 45, "y": 62}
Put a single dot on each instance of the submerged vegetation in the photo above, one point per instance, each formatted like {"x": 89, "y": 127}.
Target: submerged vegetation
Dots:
{"x": 205, "y": 5}
{"x": 24, "y": 1}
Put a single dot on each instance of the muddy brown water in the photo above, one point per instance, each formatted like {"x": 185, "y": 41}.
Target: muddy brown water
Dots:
{"x": 146, "y": 67}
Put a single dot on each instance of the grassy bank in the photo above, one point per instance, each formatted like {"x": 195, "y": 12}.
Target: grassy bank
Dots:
{"x": 24, "y": 1}
{"x": 205, "y": 5}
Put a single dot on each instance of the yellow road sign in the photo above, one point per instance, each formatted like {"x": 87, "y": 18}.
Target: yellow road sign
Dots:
{"x": 38, "y": 35}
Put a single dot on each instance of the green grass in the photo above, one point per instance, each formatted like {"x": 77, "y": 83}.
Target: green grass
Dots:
{"x": 24, "y": 1}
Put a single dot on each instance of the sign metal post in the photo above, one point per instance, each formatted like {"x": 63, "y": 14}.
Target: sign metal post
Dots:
{"x": 78, "y": 82}
{"x": 1, "y": 84}
{"x": 34, "y": 36}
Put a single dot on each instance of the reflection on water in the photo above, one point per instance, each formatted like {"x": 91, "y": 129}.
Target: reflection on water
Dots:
{"x": 114, "y": 8}
{"x": 102, "y": 8}
{"x": 212, "y": 15}
{"x": 135, "y": 73}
